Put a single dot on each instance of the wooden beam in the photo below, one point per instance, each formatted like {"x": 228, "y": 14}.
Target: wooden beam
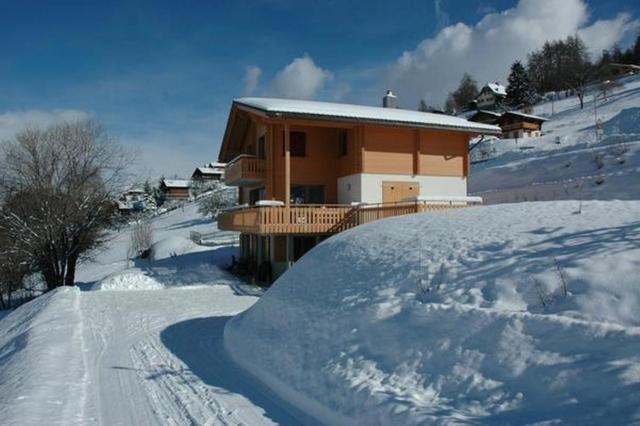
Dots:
{"x": 287, "y": 165}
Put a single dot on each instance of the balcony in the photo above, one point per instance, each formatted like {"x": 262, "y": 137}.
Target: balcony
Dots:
{"x": 244, "y": 170}
{"x": 322, "y": 219}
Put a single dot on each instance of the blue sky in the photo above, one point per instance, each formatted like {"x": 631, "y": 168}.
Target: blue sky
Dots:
{"x": 160, "y": 75}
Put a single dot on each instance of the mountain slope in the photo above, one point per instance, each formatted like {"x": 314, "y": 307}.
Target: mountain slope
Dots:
{"x": 569, "y": 161}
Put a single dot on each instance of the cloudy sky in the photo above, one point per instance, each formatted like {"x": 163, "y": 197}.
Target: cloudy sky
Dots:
{"x": 160, "y": 74}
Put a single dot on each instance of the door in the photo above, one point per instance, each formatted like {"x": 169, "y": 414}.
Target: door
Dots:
{"x": 392, "y": 192}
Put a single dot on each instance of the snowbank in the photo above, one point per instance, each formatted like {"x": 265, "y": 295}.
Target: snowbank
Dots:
{"x": 41, "y": 355}
{"x": 132, "y": 279}
{"x": 514, "y": 314}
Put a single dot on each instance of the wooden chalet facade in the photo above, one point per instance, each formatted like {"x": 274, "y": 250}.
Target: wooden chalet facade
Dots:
{"x": 514, "y": 125}
{"x": 306, "y": 170}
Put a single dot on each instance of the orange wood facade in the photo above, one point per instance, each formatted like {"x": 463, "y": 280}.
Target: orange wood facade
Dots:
{"x": 370, "y": 148}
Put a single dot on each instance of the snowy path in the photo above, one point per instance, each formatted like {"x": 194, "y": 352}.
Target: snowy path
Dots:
{"x": 156, "y": 357}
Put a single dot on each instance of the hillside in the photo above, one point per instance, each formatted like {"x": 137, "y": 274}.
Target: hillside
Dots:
{"x": 136, "y": 344}
{"x": 506, "y": 314}
{"x": 580, "y": 165}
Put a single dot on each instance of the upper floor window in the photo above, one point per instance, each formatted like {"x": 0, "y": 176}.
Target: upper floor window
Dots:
{"x": 297, "y": 144}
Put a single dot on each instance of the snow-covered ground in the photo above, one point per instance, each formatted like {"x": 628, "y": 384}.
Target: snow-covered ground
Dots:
{"x": 507, "y": 314}
{"x": 581, "y": 165}
{"x": 137, "y": 344}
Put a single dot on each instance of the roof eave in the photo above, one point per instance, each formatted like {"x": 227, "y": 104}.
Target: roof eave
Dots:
{"x": 286, "y": 114}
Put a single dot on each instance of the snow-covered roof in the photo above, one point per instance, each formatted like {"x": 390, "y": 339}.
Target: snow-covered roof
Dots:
{"x": 521, "y": 114}
{"x": 211, "y": 170}
{"x": 301, "y": 108}
{"x": 497, "y": 88}
{"x": 176, "y": 183}
{"x": 216, "y": 164}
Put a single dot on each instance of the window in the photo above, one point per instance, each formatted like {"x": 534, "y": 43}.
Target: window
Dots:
{"x": 343, "y": 142}
{"x": 297, "y": 144}
{"x": 307, "y": 194}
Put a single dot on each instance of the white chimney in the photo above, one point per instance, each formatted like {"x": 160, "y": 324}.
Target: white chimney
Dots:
{"x": 389, "y": 100}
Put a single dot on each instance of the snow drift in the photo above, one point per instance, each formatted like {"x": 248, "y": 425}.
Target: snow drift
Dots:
{"x": 132, "y": 279}
{"x": 43, "y": 374}
{"x": 505, "y": 314}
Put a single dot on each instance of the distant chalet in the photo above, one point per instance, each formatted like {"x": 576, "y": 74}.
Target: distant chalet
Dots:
{"x": 209, "y": 173}
{"x": 514, "y": 125}
{"x": 491, "y": 96}
{"x": 176, "y": 189}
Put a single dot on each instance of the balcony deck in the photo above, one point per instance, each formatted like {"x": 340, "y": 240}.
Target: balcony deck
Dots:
{"x": 245, "y": 170}
{"x": 310, "y": 219}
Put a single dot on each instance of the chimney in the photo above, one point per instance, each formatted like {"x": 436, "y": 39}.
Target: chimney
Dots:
{"x": 389, "y": 100}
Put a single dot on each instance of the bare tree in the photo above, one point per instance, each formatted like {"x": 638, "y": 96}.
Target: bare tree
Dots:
{"x": 57, "y": 190}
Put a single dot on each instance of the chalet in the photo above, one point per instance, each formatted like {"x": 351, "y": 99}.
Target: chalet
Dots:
{"x": 517, "y": 125}
{"x": 210, "y": 172}
{"x": 175, "y": 189}
{"x": 514, "y": 124}
{"x": 306, "y": 170}
{"x": 491, "y": 96}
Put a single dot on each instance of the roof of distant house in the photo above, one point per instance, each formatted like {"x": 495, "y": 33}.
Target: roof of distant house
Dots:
{"x": 497, "y": 88}
{"x": 523, "y": 115}
{"x": 176, "y": 183}
{"x": 346, "y": 112}
{"x": 211, "y": 170}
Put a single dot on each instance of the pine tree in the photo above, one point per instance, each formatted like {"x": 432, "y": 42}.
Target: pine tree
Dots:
{"x": 520, "y": 91}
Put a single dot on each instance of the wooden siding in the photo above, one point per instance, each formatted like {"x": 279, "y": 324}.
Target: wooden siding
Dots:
{"x": 443, "y": 153}
{"x": 176, "y": 193}
{"x": 388, "y": 150}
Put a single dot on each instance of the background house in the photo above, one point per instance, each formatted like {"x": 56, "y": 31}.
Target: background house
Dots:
{"x": 491, "y": 96}
{"x": 209, "y": 172}
{"x": 514, "y": 124}
{"x": 175, "y": 189}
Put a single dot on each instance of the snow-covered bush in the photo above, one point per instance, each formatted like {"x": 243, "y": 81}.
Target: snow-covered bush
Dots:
{"x": 141, "y": 242}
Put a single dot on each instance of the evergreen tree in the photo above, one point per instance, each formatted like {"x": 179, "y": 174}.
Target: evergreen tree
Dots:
{"x": 422, "y": 106}
{"x": 520, "y": 91}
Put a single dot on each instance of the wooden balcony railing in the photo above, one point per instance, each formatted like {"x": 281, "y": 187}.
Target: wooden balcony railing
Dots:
{"x": 319, "y": 219}
{"x": 244, "y": 169}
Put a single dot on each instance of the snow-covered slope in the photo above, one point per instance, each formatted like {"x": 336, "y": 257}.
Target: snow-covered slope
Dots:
{"x": 145, "y": 357}
{"x": 505, "y": 314}
{"x": 569, "y": 161}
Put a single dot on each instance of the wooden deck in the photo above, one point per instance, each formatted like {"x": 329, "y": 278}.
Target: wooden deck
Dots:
{"x": 244, "y": 170}
{"x": 319, "y": 219}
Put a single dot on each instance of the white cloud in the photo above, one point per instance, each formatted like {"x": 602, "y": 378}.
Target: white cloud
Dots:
{"x": 301, "y": 79}
{"x": 487, "y": 49}
{"x": 251, "y": 79}
{"x": 11, "y": 122}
